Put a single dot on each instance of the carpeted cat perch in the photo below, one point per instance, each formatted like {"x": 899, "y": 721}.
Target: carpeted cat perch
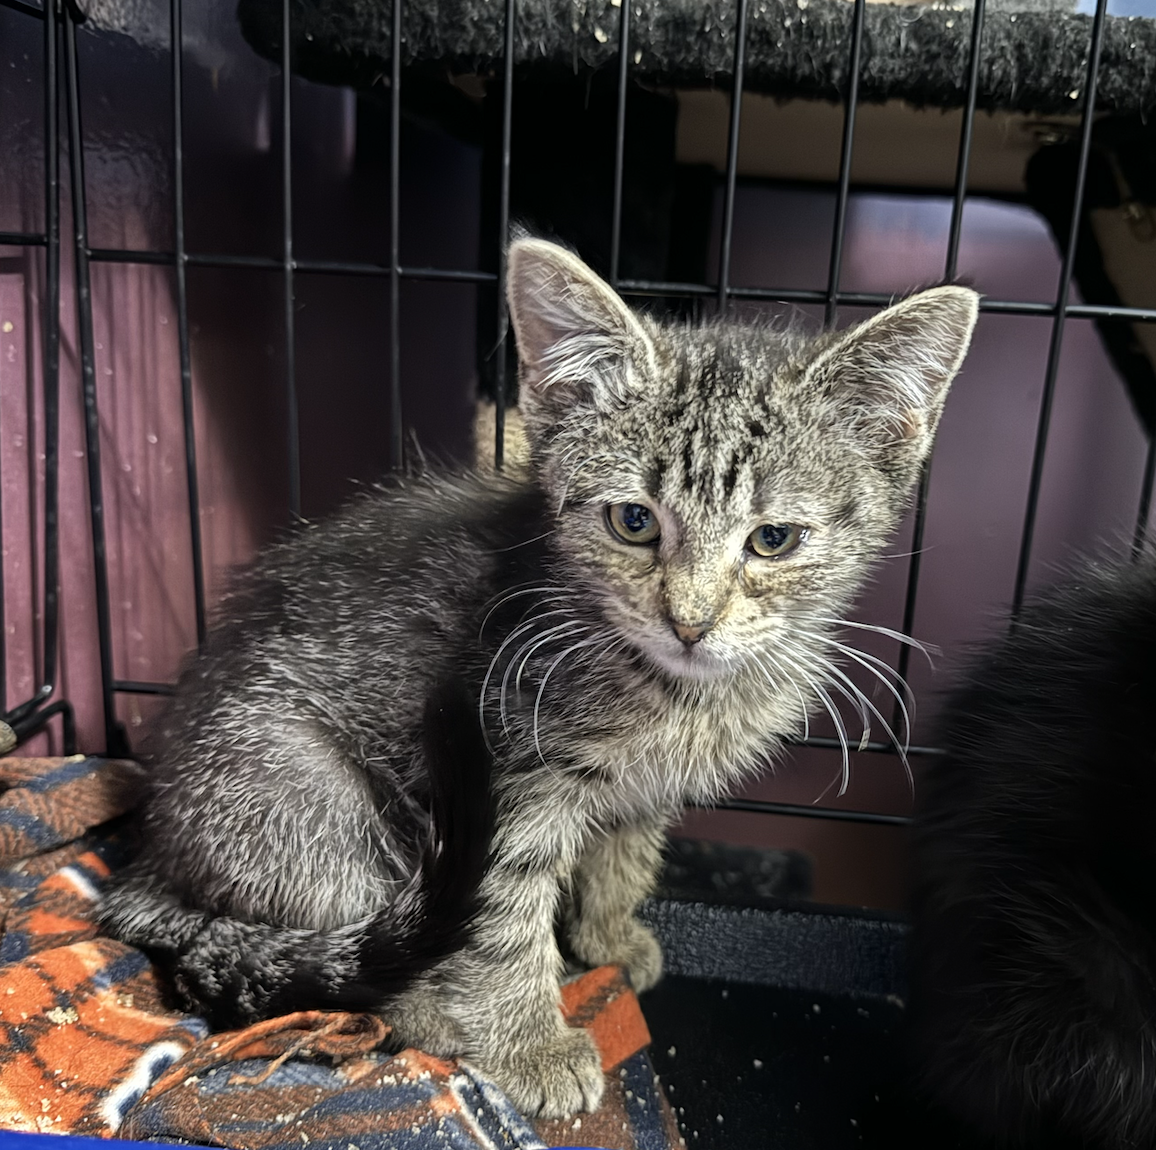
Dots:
{"x": 1032, "y": 60}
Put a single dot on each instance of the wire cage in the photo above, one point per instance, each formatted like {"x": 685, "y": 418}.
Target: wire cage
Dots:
{"x": 57, "y": 260}
{"x": 63, "y": 130}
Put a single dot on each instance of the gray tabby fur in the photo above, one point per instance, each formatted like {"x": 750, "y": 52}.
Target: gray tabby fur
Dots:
{"x": 289, "y": 793}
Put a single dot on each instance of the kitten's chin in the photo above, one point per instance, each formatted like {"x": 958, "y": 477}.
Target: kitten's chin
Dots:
{"x": 678, "y": 662}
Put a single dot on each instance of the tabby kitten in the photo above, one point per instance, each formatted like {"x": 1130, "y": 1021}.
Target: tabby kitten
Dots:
{"x": 640, "y": 619}
{"x": 1033, "y": 954}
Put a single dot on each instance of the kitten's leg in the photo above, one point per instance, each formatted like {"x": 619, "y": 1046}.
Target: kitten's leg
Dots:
{"x": 616, "y": 873}
{"x": 503, "y": 992}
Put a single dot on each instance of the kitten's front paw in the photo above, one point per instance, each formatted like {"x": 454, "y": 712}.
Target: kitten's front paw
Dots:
{"x": 554, "y": 1080}
{"x": 632, "y": 946}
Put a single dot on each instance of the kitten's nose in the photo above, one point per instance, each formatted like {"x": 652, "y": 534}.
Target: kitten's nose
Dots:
{"x": 690, "y": 633}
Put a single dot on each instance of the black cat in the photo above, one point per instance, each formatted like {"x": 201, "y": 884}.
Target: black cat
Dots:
{"x": 1033, "y": 958}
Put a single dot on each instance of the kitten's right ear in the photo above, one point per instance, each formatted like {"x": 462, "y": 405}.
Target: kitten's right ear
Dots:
{"x": 576, "y": 338}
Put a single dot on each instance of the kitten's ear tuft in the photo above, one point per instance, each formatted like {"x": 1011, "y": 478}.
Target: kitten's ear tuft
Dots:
{"x": 890, "y": 374}
{"x": 576, "y": 338}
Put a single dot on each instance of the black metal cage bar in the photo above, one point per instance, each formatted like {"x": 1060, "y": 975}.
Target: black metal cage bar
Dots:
{"x": 114, "y": 733}
{"x": 61, "y": 24}
{"x": 852, "y": 102}
{"x": 395, "y": 414}
{"x": 728, "y": 220}
{"x": 955, "y": 230}
{"x": 501, "y": 394}
{"x": 51, "y": 322}
{"x": 288, "y": 266}
{"x": 630, "y": 286}
{"x": 180, "y": 262}
{"x": 619, "y": 139}
{"x": 1062, "y": 311}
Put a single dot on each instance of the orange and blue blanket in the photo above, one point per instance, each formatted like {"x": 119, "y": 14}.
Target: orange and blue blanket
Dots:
{"x": 89, "y": 1044}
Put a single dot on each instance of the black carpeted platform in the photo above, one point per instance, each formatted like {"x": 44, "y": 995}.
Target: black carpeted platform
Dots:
{"x": 781, "y": 1029}
{"x": 801, "y": 946}
{"x": 1032, "y": 61}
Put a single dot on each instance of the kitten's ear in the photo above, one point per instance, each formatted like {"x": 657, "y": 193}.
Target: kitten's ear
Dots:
{"x": 576, "y": 338}
{"x": 890, "y": 374}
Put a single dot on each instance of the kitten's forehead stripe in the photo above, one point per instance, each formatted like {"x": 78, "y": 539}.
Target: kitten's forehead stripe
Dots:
{"x": 656, "y": 477}
{"x": 687, "y": 464}
{"x": 732, "y": 476}
{"x": 713, "y": 408}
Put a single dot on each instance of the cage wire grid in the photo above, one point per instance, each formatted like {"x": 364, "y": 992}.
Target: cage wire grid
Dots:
{"x": 60, "y": 20}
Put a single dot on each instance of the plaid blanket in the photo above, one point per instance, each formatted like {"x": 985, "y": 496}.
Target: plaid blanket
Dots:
{"x": 89, "y": 1044}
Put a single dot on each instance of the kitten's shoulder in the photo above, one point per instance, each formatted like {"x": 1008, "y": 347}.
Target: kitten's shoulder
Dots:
{"x": 399, "y": 519}
{"x": 407, "y": 507}
{"x": 439, "y": 530}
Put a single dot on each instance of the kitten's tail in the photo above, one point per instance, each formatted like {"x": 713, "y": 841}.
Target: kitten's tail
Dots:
{"x": 235, "y": 973}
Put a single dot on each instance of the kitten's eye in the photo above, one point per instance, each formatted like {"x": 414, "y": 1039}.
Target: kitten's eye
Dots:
{"x": 632, "y": 522}
{"x": 774, "y": 540}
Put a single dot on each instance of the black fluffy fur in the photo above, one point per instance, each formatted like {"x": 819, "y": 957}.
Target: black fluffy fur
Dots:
{"x": 1033, "y": 960}
{"x": 234, "y": 973}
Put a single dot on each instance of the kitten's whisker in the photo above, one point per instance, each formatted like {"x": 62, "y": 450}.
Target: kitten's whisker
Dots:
{"x": 561, "y": 606}
{"x": 836, "y": 718}
{"x": 527, "y": 620}
{"x": 802, "y": 702}
{"x": 900, "y": 701}
{"x": 878, "y": 667}
{"x": 524, "y": 589}
{"x": 908, "y": 717}
{"x": 523, "y": 626}
{"x": 846, "y": 647}
{"x": 524, "y": 543}
{"x": 533, "y": 644}
{"x": 855, "y": 698}
{"x": 542, "y": 687}
{"x": 826, "y": 790}
{"x": 841, "y": 731}
{"x": 768, "y": 666}
{"x": 889, "y": 632}
{"x": 850, "y": 692}
{"x": 901, "y": 748}
{"x": 880, "y": 670}
{"x": 904, "y": 699}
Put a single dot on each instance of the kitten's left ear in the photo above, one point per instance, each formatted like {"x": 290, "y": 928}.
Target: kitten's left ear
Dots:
{"x": 890, "y": 374}
{"x": 576, "y": 338}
